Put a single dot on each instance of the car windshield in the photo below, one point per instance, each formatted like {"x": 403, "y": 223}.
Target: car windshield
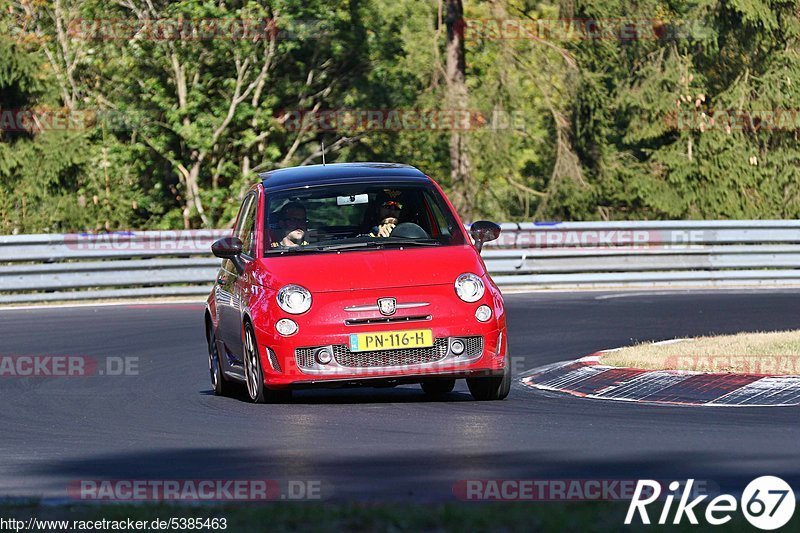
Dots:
{"x": 365, "y": 216}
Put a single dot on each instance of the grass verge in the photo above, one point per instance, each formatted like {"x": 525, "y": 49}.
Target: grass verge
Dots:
{"x": 770, "y": 353}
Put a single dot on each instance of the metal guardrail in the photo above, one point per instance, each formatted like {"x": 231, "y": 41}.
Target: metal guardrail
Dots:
{"x": 559, "y": 255}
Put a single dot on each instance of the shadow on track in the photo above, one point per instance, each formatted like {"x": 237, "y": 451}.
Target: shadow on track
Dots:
{"x": 358, "y": 395}
{"x": 372, "y": 474}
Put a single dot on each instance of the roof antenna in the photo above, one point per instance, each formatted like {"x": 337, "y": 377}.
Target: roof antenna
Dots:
{"x": 323, "y": 153}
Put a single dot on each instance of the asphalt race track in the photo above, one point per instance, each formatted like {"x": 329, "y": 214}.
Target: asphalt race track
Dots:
{"x": 380, "y": 444}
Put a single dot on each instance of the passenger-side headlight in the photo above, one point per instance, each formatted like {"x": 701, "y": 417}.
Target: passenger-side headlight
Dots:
{"x": 294, "y": 299}
{"x": 286, "y": 326}
{"x": 469, "y": 287}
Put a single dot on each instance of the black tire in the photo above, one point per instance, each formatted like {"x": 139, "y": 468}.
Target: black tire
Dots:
{"x": 438, "y": 387}
{"x": 254, "y": 375}
{"x": 491, "y": 388}
{"x": 219, "y": 383}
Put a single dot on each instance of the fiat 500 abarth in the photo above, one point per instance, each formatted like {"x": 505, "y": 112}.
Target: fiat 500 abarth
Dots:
{"x": 354, "y": 274}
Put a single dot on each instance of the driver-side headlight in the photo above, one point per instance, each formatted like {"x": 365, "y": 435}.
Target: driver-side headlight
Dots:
{"x": 294, "y": 299}
{"x": 469, "y": 287}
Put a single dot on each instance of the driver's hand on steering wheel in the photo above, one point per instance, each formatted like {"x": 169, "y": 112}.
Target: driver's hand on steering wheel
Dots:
{"x": 385, "y": 230}
{"x": 386, "y": 227}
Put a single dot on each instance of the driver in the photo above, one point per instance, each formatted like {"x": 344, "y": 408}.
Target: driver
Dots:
{"x": 293, "y": 225}
{"x": 388, "y": 218}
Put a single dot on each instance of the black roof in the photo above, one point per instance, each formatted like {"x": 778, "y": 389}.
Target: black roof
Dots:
{"x": 335, "y": 173}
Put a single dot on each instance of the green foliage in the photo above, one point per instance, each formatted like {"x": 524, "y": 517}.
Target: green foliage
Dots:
{"x": 650, "y": 125}
{"x": 565, "y": 127}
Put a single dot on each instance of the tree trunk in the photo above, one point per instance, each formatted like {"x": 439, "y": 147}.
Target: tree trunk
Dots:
{"x": 462, "y": 183}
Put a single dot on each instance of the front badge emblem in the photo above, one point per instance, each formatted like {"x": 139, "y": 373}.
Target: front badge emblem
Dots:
{"x": 387, "y": 306}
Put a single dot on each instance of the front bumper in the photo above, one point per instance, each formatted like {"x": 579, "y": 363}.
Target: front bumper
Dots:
{"x": 390, "y": 381}
{"x": 289, "y": 361}
{"x": 292, "y": 363}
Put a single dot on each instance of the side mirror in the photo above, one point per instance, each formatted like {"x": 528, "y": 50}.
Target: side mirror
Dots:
{"x": 483, "y": 231}
{"x": 230, "y": 248}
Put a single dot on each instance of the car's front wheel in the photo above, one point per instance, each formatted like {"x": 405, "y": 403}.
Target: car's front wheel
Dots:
{"x": 491, "y": 388}
{"x": 254, "y": 375}
{"x": 221, "y": 386}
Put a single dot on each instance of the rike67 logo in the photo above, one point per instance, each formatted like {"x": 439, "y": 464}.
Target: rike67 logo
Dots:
{"x": 767, "y": 503}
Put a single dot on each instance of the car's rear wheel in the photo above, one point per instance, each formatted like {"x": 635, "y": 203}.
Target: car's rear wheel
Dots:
{"x": 491, "y": 388}
{"x": 221, "y": 386}
{"x": 254, "y": 375}
{"x": 438, "y": 387}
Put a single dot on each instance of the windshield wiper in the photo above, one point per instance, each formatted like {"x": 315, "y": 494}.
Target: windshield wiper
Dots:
{"x": 293, "y": 249}
{"x": 380, "y": 244}
{"x": 350, "y": 245}
{"x": 413, "y": 242}
{"x": 354, "y": 245}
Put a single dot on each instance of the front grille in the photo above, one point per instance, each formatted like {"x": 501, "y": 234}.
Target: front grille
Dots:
{"x": 385, "y": 320}
{"x": 305, "y": 357}
{"x": 401, "y": 357}
{"x": 273, "y": 360}
{"x": 387, "y": 358}
{"x": 474, "y": 347}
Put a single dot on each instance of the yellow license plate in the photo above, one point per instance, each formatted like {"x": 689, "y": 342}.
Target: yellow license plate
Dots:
{"x": 391, "y": 340}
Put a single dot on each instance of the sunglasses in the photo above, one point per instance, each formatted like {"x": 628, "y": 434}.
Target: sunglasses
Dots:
{"x": 392, "y": 205}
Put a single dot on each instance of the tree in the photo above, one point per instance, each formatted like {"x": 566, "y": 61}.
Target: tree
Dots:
{"x": 461, "y": 180}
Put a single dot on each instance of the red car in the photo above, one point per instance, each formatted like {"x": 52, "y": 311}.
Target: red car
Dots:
{"x": 354, "y": 274}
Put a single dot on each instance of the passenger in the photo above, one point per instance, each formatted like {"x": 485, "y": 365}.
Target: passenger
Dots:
{"x": 293, "y": 225}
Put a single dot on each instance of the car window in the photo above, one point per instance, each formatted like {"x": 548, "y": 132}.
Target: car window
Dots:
{"x": 362, "y": 216}
{"x": 442, "y": 223}
{"x": 246, "y": 225}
